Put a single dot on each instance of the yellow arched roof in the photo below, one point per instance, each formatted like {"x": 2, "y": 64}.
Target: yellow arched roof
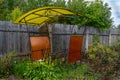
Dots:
{"x": 41, "y": 15}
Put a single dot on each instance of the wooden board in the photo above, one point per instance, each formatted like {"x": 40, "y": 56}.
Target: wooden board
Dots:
{"x": 40, "y": 47}
{"x": 75, "y": 48}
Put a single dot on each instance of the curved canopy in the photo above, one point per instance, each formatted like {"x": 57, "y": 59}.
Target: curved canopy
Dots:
{"x": 41, "y": 15}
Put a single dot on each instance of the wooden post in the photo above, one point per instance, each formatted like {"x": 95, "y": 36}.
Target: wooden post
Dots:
{"x": 29, "y": 42}
{"x": 110, "y": 38}
{"x": 50, "y": 35}
{"x": 86, "y": 41}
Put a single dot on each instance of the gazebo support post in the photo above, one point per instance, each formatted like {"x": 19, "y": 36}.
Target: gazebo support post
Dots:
{"x": 30, "y": 51}
{"x": 50, "y": 36}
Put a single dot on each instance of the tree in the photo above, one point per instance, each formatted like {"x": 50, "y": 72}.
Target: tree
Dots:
{"x": 98, "y": 12}
{"x": 59, "y": 3}
{"x": 33, "y": 4}
{"x": 101, "y": 13}
{"x": 6, "y": 6}
{"x": 79, "y": 6}
{"x": 15, "y": 14}
{"x": 3, "y": 10}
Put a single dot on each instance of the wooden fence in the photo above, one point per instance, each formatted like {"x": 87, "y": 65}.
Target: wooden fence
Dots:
{"x": 15, "y": 37}
{"x": 62, "y": 33}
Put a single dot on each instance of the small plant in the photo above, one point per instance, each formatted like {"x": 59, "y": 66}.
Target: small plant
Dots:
{"x": 96, "y": 39}
{"x": 20, "y": 67}
{"x": 6, "y": 64}
{"x": 116, "y": 46}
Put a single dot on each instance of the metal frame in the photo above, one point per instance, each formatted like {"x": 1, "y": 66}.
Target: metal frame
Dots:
{"x": 46, "y": 14}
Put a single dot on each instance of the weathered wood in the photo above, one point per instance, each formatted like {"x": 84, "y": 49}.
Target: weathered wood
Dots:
{"x": 62, "y": 35}
{"x": 14, "y": 37}
{"x": 87, "y": 40}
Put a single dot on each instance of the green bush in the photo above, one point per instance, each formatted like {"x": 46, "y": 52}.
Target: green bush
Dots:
{"x": 53, "y": 71}
{"x": 36, "y": 70}
{"x": 6, "y": 64}
{"x": 19, "y": 68}
{"x": 102, "y": 58}
{"x": 42, "y": 71}
{"x": 80, "y": 72}
{"x": 116, "y": 46}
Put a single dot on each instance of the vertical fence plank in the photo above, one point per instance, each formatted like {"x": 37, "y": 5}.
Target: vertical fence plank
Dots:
{"x": 110, "y": 38}
{"x": 15, "y": 37}
{"x": 86, "y": 41}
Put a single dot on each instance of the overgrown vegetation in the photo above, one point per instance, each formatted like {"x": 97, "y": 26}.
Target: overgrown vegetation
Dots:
{"x": 100, "y": 62}
{"x": 104, "y": 59}
{"x": 116, "y": 69}
{"x": 54, "y": 71}
{"x": 6, "y": 64}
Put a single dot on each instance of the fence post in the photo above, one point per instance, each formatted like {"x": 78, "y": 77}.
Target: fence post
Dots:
{"x": 50, "y": 35}
{"x": 86, "y": 41}
{"x": 110, "y": 38}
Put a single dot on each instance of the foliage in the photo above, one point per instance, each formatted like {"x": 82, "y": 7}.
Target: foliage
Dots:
{"x": 20, "y": 67}
{"x": 116, "y": 46}
{"x": 59, "y": 3}
{"x": 96, "y": 39}
{"x": 42, "y": 71}
{"x": 15, "y": 14}
{"x": 79, "y": 71}
{"x": 102, "y": 58}
{"x": 36, "y": 70}
{"x": 27, "y": 5}
{"x": 99, "y": 13}
{"x": 3, "y": 10}
{"x": 6, "y": 64}
{"x": 1, "y": 1}
{"x": 79, "y": 6}
{"x": 54, "y": 71}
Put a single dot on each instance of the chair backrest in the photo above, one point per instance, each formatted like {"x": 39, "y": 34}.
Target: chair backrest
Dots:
{"x": 75, "y": 48}
{"x": 40, "y": 46}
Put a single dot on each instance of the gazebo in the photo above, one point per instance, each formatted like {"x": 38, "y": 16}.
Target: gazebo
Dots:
{"x": 42, "y": 16}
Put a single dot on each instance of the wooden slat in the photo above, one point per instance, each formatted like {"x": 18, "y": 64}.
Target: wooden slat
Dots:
{"x": 15, "y": 37}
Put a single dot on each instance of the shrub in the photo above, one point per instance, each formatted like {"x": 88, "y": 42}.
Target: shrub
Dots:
{"x": 20, "y": 67}
{"x": 79, "y": 72}
{"x": 116, "y": 46}
{"x": 102, "y": 59}
{"x": 36, "y": 70}
{"x": 6, "y": 64}
{"x": 54, "y": 71}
